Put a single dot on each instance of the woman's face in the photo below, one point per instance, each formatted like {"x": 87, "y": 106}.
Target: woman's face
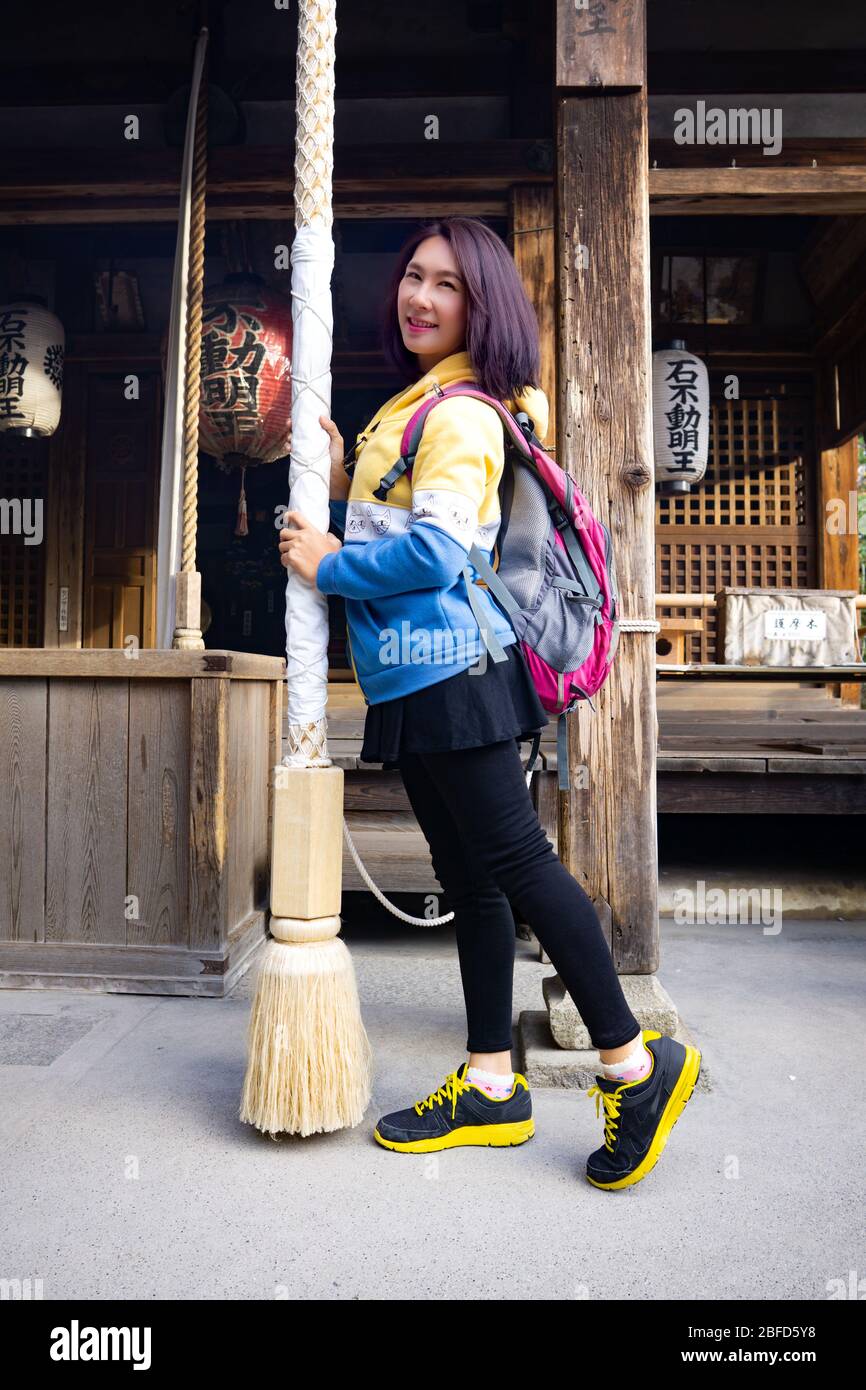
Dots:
{"x": 432, "y": 303}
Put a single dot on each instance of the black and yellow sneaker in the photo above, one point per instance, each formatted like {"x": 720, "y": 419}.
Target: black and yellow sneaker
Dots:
{"x": 459, "y": 1112}
{"x": 639, "y": 1115}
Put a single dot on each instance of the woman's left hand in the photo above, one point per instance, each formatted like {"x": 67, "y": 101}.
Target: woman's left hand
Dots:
{"x": 302, "y": 549}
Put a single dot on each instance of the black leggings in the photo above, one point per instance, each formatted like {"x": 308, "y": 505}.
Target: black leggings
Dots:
{"x": 489, "y": 850}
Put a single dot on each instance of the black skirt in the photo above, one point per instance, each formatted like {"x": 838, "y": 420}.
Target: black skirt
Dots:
{"x": 462, "y": 711}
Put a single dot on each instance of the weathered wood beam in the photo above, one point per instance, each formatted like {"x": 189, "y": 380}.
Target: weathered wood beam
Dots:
{"x": 531, "y": 232}
{"x": 262, "y": 169}
{"x": 757, "y": 191}
{"x": 607, "y": 832}
{"x": 837, "y": 519}
{"x": 838, "y": 564}
{"x": 117, "y": 211}
{"x": 385, "y": 181}
{"x": 76, "y": 186}
{"x": 798, "y": 152}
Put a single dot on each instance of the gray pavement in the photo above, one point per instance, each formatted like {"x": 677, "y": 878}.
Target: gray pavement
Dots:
{"x": 126, "y": 1173}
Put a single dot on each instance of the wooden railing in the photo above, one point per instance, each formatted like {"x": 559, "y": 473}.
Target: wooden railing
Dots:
{"x": 709, "y": 601}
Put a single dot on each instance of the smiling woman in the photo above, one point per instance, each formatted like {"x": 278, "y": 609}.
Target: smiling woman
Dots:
{"x": 431, "y": 303}
{"x": 457, "y": 312}
{"x": 459, "y": 275}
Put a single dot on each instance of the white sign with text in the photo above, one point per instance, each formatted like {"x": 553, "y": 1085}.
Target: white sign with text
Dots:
{"x": 795, "y": 625}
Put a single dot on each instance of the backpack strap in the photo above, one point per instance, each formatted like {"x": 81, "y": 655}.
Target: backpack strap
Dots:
{"x": 519, "y": 432}
{"x": 575, "y": 550}
{"x": 493, "y": 582}
{"x": 562, "y": 753}
{"x": 491, "y": 641}
{"x": 414, "y": 428}
{"x": 533, "y": 756}
{"x": 408, "y": 444}
{"x": 387, "y": 482}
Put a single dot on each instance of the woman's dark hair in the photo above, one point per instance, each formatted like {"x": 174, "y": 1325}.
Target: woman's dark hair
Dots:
{"x": 501, "y": 325}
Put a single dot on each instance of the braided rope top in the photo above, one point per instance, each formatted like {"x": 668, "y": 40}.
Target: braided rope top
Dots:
{"x": 314, "y": 107}
{"x": 639, "y": 625}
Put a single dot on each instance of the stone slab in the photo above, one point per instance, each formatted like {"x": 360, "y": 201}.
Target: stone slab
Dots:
{"x": 647, "y": 998}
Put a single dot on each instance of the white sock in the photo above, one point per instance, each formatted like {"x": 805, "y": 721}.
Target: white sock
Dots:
{"x": 635, "y": 1067}
{"x": 493, "y": 1083}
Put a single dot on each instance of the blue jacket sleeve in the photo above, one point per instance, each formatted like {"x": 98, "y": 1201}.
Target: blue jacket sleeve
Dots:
{"x": 421, "y": 558}
{"x": 460, "y": 452}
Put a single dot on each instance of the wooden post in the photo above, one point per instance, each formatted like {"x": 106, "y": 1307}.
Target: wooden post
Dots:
{"x": 838, "y": 549}
{"x": 607, "y": 836}
{"x": 532, "y": 246}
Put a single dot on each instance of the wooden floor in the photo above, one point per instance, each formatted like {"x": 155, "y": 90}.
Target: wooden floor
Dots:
{"x": 724, "y": 747}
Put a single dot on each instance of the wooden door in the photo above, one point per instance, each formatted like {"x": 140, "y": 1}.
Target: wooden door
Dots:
{"x": 122, "y": 466}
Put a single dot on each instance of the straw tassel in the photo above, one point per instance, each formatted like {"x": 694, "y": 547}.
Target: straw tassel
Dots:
{"x": 242, "y": 529}
{"x": 309, "y": 1058}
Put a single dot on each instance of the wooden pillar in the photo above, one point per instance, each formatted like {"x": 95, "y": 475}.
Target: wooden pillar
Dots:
{"x": 64, "y": 531}
{"x": 607, "y": 836}
{"x": 532, "y": 246}
{"x": 837, "y": 547}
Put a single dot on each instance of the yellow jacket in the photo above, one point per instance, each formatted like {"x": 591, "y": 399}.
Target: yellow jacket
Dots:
{"x": 401, "y": 565}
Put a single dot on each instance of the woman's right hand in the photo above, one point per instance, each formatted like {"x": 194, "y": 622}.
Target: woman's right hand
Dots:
{"x": 340, "y": 481}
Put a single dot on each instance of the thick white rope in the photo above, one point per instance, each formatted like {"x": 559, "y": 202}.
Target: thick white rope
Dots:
{"x": 312, "y": 320}
{"x": 377, "y": 892}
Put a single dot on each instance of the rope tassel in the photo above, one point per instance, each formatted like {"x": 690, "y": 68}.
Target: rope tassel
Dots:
{"x": 241, "y": 527}
{"x": 310, "y": 1060}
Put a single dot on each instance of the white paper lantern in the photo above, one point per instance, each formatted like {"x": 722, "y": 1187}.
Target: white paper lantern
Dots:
{"x": 32, "y": 343}
{"x": 681, "y": 418}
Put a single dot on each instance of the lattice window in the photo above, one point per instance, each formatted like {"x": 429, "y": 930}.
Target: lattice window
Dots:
{"x": 751, "y": 520}
{"x": 23, "y": 475}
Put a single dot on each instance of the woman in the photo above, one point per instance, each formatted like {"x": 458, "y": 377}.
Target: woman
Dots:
{"x": 452, "y": 722}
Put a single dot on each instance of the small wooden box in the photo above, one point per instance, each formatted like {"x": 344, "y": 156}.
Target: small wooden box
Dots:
{"x": 787, "y": 627}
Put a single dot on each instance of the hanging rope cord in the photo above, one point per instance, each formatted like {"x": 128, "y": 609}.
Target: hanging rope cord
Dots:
{"x": 377, "y": 892}
{"x": 195, "y": 285}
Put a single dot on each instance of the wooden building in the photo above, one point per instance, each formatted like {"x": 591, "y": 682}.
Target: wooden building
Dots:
{"x": 562, "y": 126}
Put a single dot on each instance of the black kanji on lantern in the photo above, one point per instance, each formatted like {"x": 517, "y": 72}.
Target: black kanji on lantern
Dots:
{"x": 12, "y": 327}
{"x": 12, "y": 369}
{"x": 52, "y": 364}
{"x": 683, "y": 420}
{"x": 232, "y": 357}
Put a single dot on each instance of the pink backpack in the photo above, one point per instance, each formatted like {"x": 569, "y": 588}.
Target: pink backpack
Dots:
{"x": 555, "y": 578}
